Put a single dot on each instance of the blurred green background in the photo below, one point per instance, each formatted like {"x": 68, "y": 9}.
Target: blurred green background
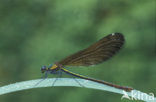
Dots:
{"x": 40, "y": 32}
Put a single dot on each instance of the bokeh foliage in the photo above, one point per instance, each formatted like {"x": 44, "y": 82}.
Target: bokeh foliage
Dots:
{"x": 39, "y": 32}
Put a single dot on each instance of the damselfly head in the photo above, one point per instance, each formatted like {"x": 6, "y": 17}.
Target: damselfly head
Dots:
{"x": 43, "y": 69}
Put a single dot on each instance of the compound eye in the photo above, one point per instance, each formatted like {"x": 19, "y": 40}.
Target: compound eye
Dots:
{"x": 43, "y": 68}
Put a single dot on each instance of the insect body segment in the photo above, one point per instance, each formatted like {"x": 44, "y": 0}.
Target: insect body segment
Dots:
{"x": 53, "y": 69}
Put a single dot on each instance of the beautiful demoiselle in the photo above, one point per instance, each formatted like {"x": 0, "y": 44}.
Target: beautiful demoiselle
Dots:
{"x": 96, "y": 53}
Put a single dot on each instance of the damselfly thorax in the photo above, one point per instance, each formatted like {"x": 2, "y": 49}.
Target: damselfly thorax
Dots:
{"x": 52, "y": 69}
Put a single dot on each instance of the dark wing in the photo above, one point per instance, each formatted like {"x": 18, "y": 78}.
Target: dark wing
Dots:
{"x": 96, "y": 53}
